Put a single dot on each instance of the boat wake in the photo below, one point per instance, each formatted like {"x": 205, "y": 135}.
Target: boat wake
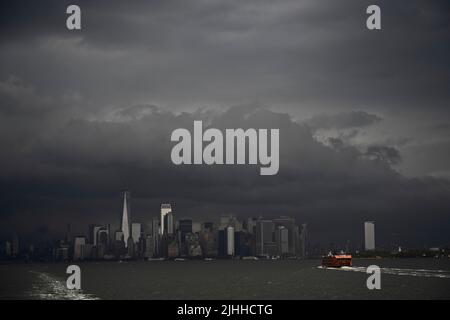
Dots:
{"x": 399, "y": 271}
{"x": 48, "y": 287}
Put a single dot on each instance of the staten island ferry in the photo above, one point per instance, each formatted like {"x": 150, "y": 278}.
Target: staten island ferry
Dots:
{"x": 337, "y": 261}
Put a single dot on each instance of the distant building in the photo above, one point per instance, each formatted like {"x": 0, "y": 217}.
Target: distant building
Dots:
{"x": 193, "y": 245}
{"x": 243, "y": 244}
{"x": 126, "y": 217}
{"x": 102, "y": 237}
{"x": 282, "y": 240}
{"x": 153, "y": 231}
{"x": 79, "y": 248}
{"x": 369, "y": 235}
{"x": 92, "y": 236}
{"x": 208, "y": 242}
{"x": 229, "y": 220}
{"x": 165, "y": 209}
{"x": 208, "y": 226}
{"x": 196, "y": 227}
{"x": 304, "y": 239}
{"x": 185, "y": 228}
{"x": 168, "y": 223}
{"x": 250, "y": 225}
{"x": 230, "y": 240}
{"x": 265, "y": 237}
{"x": 118, "y": 236}
{"x": 172, "y": 248}
{"x": 289, "y": 224}
{"x": 136, "y": 230}
{"x": 149, "y": 246}
{"x": 131, "y": 248}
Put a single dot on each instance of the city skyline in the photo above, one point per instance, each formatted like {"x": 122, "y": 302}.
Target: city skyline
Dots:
{"x": 169, "y": 236}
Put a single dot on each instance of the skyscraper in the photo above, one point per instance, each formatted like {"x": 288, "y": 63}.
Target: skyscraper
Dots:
{"x": 304, "y": 241}
{"x": 79, "y": 248}
{"x": 168, "y": 223}
{"x": 185, "y": 228}
{"x": 369, "y": 234}
{"x": 289, "y": 224}
{"x": 165, "y": 209}
{"x": 153, "y": 231}
{"x": 282, "y": 240}
{"x": 126, "y": 217}
{"x": 264, "y": 236}
{"x": 230, "y": 240}
{"x": 136, "y": 232}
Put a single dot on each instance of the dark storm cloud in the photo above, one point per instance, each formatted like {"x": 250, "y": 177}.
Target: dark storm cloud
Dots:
{"x": 85, "y": 114}
{"x": 318, "y": 54}
{"x": 75, "y": 169}
{"x": 354, "y": 119}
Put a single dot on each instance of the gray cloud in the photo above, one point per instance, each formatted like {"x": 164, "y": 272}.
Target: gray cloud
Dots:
{"x": 353, "y": 119}
{"x": 384, "y": 153}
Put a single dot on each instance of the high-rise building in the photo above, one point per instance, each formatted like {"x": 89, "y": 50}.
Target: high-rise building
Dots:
{"x": 282, "y": 240}
{"x": 264, "y": 236}
{"x": 289, "y": 224}
{"x": 185, "y": 228}
{"x": 250, "y": 225}
{"x": 221, "y": 243}
{"x": 149, "y": 246}
{"x": 79, "y": 248}
{"x": 196, "y": 227}
{"x": 119, "y": 243}
{"x": 209, "y": 242}
{"x": 243, "y": 244}
{"x": 165, "y": 209}
{"x": 93, "y": 229}
{"x": 168, "y": 223}
{"x": 230, "y": 240}
{"x": 208, "y": 226}
{"x": 136, "y": 231}
{"x": 369, "y": 235}
{"x": 118, "y": 236}
{"x": 152, "y": 230}
{"x": 126, "y": 217}
{"x": 304, "y": 241}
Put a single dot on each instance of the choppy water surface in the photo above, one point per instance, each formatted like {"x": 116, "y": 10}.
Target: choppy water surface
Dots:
{"x": 227, "y": 279}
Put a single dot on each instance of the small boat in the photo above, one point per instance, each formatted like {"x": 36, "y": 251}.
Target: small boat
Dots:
{"x": 337, "y": 261}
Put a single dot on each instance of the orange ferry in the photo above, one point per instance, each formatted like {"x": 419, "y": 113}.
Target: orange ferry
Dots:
{"x": 337, "y": 261}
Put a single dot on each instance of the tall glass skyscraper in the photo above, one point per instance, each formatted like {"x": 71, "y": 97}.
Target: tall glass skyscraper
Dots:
{"x": 369, "y": 233}
{"x": 165, "y": 209}
{"x": 126, "y": 217}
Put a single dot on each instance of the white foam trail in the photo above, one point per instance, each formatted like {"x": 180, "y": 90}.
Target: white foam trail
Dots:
{"x": 47, "y": 287}
{"x": 400, "y": 272}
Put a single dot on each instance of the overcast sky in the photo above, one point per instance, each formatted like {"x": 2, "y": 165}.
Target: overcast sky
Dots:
{"x": 363, "y": 115}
